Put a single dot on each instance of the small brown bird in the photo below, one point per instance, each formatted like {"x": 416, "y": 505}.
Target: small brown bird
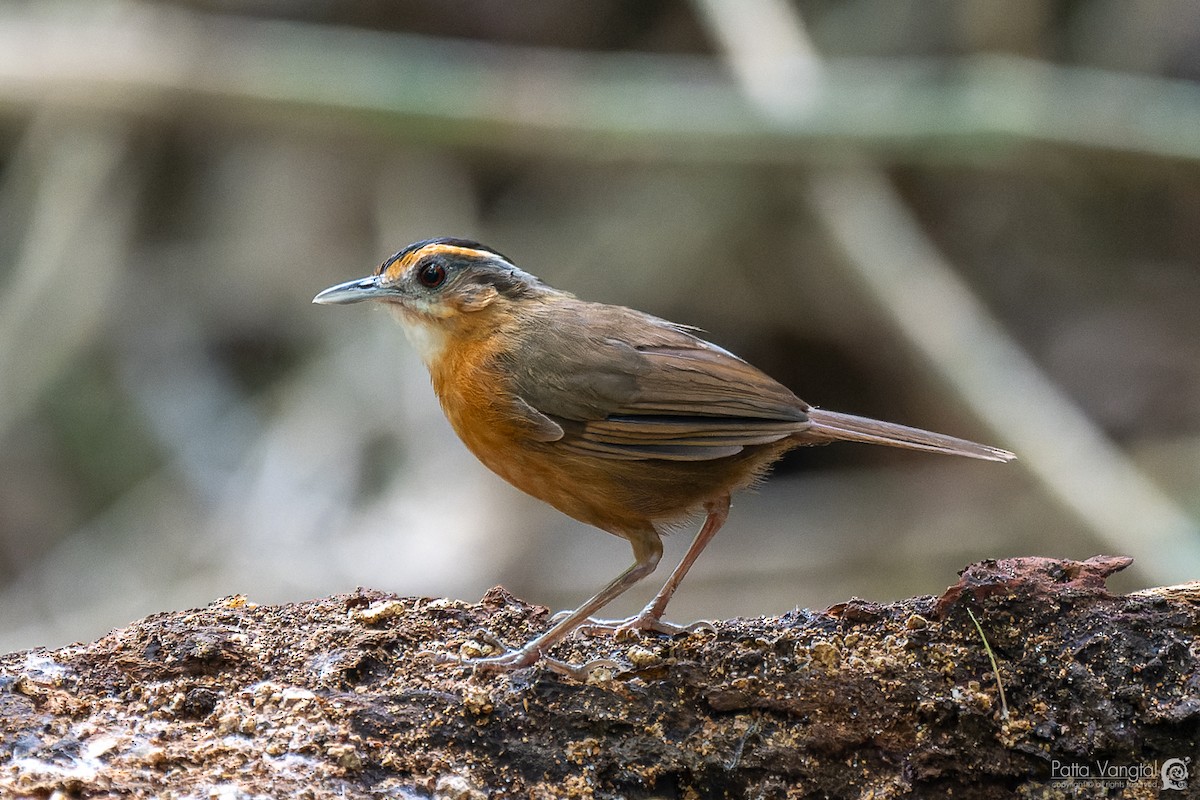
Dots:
{"x": 617, "y": 418}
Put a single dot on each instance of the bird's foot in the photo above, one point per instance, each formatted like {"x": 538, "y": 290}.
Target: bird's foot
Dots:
{"x": 510, "y": 659}
{"x": 640, "y": 623}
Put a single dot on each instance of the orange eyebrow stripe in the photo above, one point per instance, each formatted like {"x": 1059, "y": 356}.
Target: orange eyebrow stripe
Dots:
{"x": 398, "y": 267}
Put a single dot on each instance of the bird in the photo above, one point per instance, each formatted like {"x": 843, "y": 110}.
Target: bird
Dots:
{"x": 619, "y": 419}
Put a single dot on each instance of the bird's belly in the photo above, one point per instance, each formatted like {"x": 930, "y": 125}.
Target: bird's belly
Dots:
{"x": 615, "y": 495}
{"x": 585, "y": 491}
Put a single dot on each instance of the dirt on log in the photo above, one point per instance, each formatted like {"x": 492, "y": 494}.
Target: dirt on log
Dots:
{"x": 339, "y": 697}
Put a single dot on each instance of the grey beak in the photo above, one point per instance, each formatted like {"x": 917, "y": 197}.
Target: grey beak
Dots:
{"x": 354, "y": 291}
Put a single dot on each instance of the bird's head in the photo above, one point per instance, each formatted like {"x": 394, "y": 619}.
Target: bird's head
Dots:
{"x": 438, "y": 287}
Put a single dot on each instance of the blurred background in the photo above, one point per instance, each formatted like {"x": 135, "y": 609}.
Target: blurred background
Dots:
{"x": 977, "y": 217}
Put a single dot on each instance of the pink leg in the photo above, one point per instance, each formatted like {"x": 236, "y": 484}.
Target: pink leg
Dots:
{"x": 647, "y": 551}
{"x": 650, "y": 617}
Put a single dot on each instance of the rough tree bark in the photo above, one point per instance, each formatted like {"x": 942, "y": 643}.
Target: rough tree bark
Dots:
{"x": 337, "y": 698}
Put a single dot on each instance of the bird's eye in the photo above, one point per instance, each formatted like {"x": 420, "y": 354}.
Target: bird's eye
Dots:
{"x": 431, "y": 275}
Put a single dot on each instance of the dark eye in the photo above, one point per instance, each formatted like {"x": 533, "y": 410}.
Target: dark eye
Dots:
{"x": 431, "y": 275}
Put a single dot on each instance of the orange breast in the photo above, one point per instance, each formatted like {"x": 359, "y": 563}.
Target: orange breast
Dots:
{"x": 476, "y": 398}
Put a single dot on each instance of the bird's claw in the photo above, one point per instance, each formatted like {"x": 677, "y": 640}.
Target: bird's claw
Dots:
{"x": 641, "y": 623}
{"x": 596, "y": 670}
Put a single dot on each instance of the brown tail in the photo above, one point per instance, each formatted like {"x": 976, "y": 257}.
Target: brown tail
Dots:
{"x": 829, "y": 426}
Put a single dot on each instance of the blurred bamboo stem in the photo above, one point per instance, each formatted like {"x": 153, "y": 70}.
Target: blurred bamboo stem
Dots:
{"x": 157, "y": 61}
{"x": 71, "y": 254}
{"x": 938, "y": 314}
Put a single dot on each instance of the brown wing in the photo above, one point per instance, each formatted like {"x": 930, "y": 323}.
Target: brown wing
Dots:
{"x": 625, "y": 385}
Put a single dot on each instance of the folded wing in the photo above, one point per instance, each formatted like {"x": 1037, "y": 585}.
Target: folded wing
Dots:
{"x": 670, "y": 396}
